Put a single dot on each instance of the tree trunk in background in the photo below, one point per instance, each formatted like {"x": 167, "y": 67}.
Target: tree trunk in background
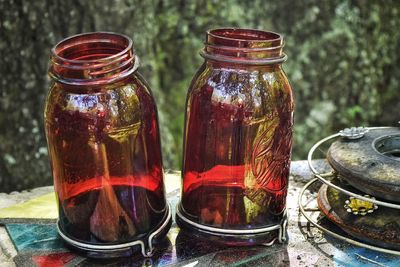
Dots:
{"x": 343, "y": 58}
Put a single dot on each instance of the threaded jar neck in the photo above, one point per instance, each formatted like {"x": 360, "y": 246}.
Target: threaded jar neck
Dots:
{"x": 91, "y": 59}
{"x": 244, "y": 46}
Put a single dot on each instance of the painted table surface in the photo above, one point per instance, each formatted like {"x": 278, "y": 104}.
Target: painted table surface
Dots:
{"x": 28, "y": 237}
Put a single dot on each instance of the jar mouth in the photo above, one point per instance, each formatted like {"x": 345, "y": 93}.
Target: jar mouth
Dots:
{"x": 245, "y": 36}
{"x": 63, "y": 51}
{"x": 92, "y": 58}
{"x": 250, "y": 46}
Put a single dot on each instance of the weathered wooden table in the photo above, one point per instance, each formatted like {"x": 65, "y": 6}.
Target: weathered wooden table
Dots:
{"x": 306, "y": 246}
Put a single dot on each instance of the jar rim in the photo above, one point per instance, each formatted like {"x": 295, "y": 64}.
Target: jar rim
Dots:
{"x": 244, "y": 46}
{"x": 93, "y": 58}
{"x": 246, "y": 32}
{"x": 55, "y": 53}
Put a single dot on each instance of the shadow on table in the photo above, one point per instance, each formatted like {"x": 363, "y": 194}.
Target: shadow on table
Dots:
{"x": 191, "y": 251}
{"x": 204, "y": 253}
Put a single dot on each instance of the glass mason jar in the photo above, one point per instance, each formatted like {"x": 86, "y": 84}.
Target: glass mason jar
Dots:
{"x": 238, "y": 140}
{"x": 104, "y": 147}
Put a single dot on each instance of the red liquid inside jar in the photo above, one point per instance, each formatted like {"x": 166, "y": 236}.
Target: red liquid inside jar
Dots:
{"x": 104, "y": 145}
{"x": 238, "y": 139}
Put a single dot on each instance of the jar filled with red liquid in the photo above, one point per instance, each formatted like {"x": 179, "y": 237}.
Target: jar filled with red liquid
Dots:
{"x": 238, "y": 140}
{"x": 104, "y": 147}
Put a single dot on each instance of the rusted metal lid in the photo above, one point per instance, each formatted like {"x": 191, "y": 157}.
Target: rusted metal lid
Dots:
{"x": 381, "y": 227}
{"x": 370, "y": 163}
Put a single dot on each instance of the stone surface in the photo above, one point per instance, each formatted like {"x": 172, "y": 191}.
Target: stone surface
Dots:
{"x": 300, "y": 172}
{"x": 43, "y": 208}
{"x": 7, "y": 250}
{"x": 306, "y": 246}
{"x": 13, "y": 198}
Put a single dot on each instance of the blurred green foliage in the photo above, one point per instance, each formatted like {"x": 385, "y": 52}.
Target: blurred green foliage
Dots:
{"x": 343, "y": 64}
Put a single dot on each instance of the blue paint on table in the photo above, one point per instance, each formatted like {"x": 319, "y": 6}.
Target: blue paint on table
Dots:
{"x": 359, "y": 257}
{"x": 35, "y": 237}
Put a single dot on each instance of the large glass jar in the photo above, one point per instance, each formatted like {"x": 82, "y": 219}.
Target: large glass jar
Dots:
{"x": 238, "y": 140}
{"x": 104, "y": 146}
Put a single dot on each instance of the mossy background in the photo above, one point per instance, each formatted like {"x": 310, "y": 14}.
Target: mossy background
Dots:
{"x": 344, "y": 59}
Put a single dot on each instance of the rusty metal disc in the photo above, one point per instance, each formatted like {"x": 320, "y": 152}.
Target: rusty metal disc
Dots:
{"x": 371, "y": 163}
{"x": 381, "y": 227}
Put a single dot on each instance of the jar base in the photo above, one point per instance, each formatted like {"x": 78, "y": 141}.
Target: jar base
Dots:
{"x": 266, "y": 236}
{"x": 145, "y": 245}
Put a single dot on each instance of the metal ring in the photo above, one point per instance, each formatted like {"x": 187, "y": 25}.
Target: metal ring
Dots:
{"x": 348, "y": 240}
{"x": 232, "y": 231}
{"x": 349, "y": 193}
{"x": 118, "y": 247}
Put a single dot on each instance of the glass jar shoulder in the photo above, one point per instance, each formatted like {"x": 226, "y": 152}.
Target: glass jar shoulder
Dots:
{"x": 257, "y": 89}
{"x": 121, "y": 103}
